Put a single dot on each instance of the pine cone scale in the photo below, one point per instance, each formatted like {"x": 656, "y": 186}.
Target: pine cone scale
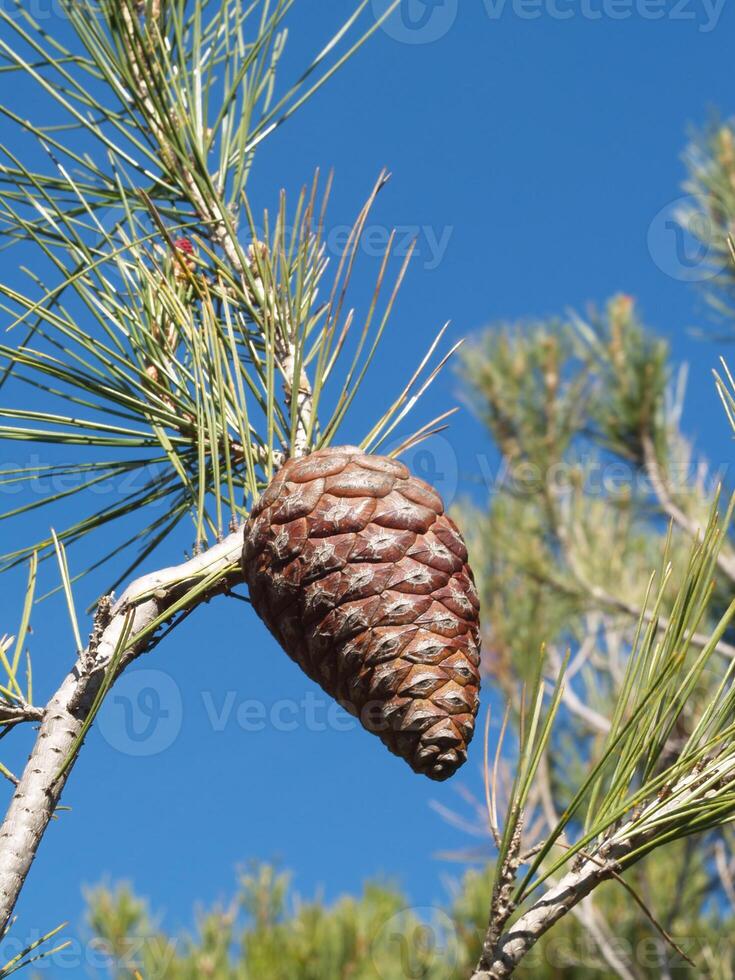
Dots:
{"x": 364, "y": 581}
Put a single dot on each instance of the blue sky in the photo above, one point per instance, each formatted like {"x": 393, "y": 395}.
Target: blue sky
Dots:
{"x": 532, "y": 154}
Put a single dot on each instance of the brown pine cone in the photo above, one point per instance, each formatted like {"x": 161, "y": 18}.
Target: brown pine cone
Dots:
{"x": 363, "y": 579}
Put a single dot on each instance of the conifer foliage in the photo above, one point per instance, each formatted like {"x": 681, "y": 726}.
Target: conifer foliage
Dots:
{"x": 201, "y": 352}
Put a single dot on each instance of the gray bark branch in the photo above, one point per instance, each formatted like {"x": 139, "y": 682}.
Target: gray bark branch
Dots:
{"x": 552, "y": 906}
{"x": 40, "y": 786}
{"x": 662, "y": 491}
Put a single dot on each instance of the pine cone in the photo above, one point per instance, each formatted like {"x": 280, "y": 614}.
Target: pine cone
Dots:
{"x": 363, "y": 579}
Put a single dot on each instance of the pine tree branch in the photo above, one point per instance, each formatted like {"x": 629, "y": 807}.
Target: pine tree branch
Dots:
{"x": 570, "y": 895}
{"x": 659, "y": 483}
{"x": 148, "y": 603}
{"x": 553, "y": 905}
{"x": 645, "y": 829}
{"x": 610, "y": 601}
{"x": 662, "y": 622}
{"x": 212, "y": 212}
{"x": 585, "y": 912}
{"x": 17, "y": 714}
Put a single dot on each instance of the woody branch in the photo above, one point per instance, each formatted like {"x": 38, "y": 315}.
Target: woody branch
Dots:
{"x": 155, "y": 598}
{"x": 149, "y": 599}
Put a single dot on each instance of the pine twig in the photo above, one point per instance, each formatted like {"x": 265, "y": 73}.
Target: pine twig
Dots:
{"x": 508, "y": 950}
{"x": 154, "y": 599}
{"x": 213, "y": 215}
{"x": 725, "y": 562}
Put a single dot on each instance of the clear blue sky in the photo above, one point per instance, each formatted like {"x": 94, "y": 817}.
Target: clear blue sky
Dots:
{"x": 538, "y": 151}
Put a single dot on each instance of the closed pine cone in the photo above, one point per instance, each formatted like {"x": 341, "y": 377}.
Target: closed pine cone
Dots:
{"x": 363, "y": 579}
